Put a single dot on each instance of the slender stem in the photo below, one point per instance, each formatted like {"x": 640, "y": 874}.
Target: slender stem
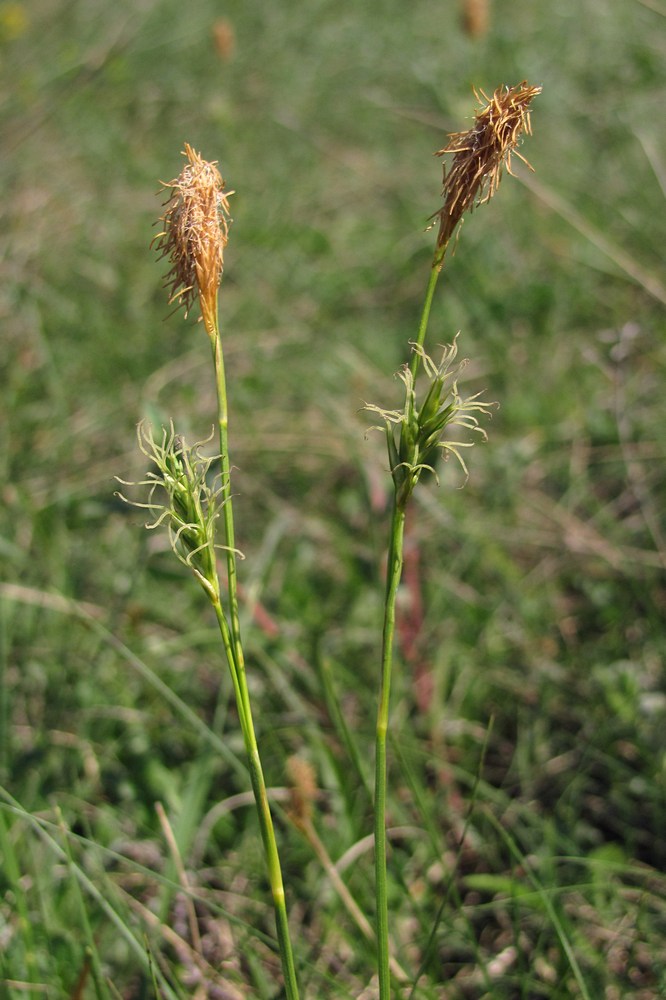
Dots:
{"x": 425, "y": 314}
{"x": 227, "y": 507}
{"x": 272, "y": 861}
{"x": 263, "y": 811}
{"x": 393, "y": 574}
{"x": 227, "y": 642}
{"x": 231, "y": 638}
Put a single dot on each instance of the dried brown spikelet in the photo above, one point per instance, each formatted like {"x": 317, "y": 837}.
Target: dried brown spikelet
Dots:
{"x": 303, "y": 789}
{"x": 475, "y": 17}
{"x": 196, "y": 231}
{"x": 224, "y": 38}
{"x": 480, "y": 154}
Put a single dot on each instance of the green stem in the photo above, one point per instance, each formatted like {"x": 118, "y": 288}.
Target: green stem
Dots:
{"x": 273, "y": 864}
{"x": 231, "y": 638}
{"x": 263, "y": 811}
{"x": 227, "y": 507}
{"x": 393, "y": 575}
{"x": 425, "y": 314}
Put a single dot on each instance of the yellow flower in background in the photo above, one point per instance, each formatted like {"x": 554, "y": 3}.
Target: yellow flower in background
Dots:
{"x": 14, "y": 21}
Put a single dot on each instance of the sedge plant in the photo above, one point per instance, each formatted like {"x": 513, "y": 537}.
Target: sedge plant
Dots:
{"x": 415, "y": 434}
{"x": 186, "y": 497}
{"x": 191, "y": 494}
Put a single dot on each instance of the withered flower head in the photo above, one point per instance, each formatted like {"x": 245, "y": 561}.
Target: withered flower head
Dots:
{"x": 304, "y": 791}
{"x": 480, "y": 153}
{"x": 475, "y": 17}
{"x": 196, "y": 231}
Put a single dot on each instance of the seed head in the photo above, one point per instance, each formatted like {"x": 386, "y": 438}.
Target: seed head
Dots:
{"x": 196, "y": 231}
{"x": 480, "y": 153}
{"x": 475, "y": 17}
{"x": 304, "y": 791}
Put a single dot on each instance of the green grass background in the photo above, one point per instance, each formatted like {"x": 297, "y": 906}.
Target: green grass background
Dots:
{"x": 527, "y": 779}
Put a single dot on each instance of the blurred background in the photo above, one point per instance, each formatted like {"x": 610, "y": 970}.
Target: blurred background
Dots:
{"x": 528, "y": 761}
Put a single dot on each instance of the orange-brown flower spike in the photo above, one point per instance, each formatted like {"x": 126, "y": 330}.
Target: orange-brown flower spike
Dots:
{"x": 303, "y": 791}
{"x": 196, "y": 231}
{"x": 479, "y": 155}
{"x": 475, "y": 17}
